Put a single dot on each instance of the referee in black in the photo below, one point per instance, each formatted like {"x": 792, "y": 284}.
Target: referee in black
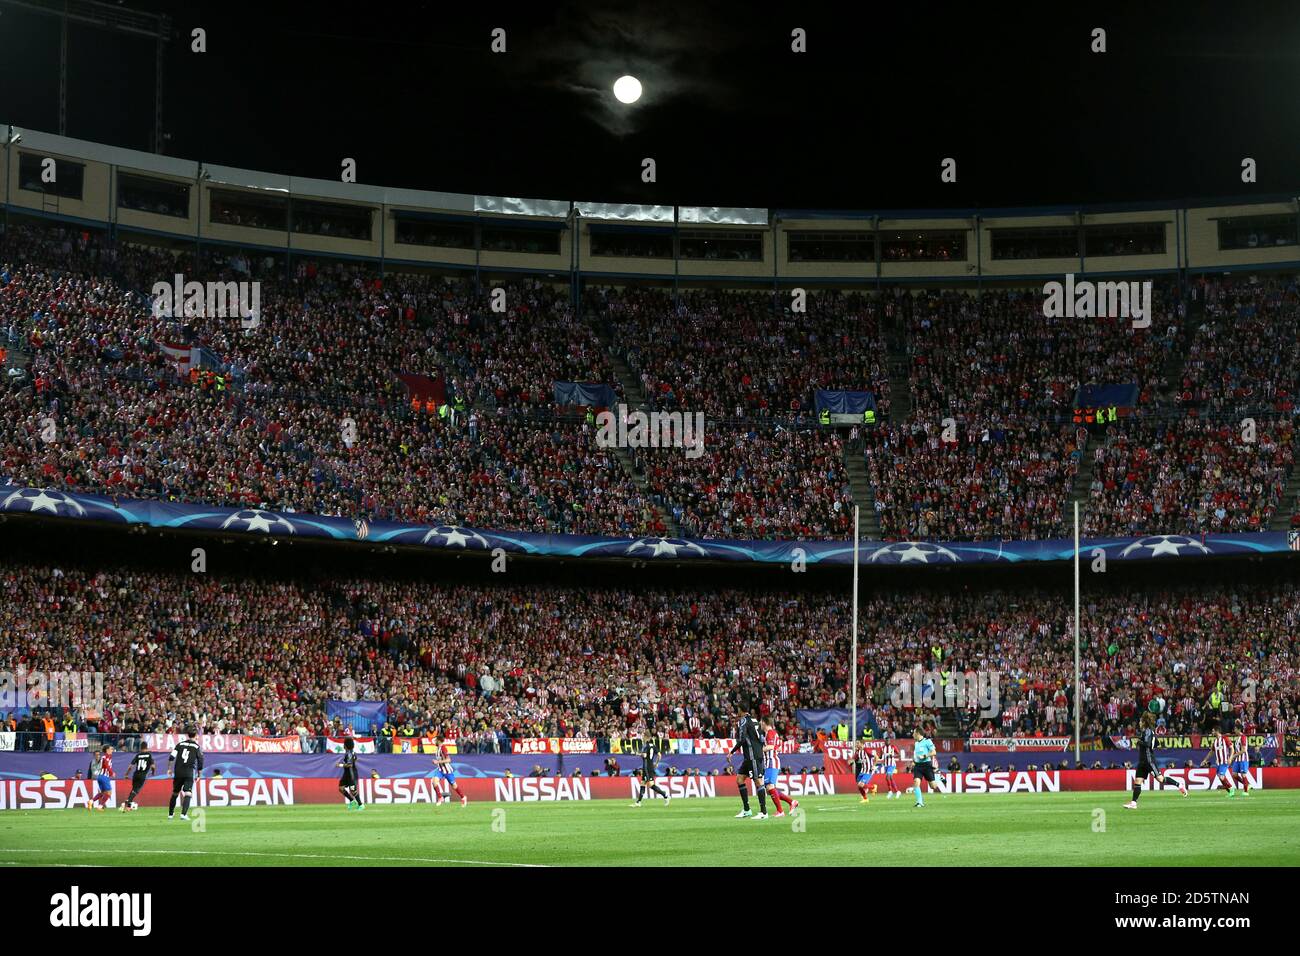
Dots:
{"x": 750, "y": 745}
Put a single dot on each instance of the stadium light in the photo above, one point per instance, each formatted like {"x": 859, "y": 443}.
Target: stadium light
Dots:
{"x": 627, "y": 89}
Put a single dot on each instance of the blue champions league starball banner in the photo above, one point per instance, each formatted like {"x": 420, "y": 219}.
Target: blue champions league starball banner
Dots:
{"x": 256, "y": 521}
{"x": 363, "y": 716}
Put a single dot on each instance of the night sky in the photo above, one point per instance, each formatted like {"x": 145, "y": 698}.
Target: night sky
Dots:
{"x": 731, "y": 115}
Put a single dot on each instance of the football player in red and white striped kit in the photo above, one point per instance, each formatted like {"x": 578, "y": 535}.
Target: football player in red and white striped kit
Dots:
{"x": 1221, "y": 751}
{"x": 1241, "y": 758}
{"x": 889, "y": 761}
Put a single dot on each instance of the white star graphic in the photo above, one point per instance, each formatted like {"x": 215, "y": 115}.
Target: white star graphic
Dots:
{"x": 913, "y": 553}
{"x": 259, "y": 523}
{"x": 1165, "y": 547}
{"x": 44, "y": 502}
{"x": 454, "y": 537}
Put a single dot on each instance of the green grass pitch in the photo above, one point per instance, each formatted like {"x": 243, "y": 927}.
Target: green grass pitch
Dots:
{"x": 959, "y": 829}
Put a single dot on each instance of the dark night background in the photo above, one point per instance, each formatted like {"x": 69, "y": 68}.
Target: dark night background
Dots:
{"x": 731, "y": 116}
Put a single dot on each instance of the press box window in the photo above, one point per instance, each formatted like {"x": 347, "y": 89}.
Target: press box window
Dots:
{"x": 832, "y": 247}
{"x": 433, "y": 232}
{"x": 68, "y": 176}
{"x": 1124, "y": 239}
{"x": 923, "y": 247}
{"x": 537, "y": 242}
{"x": 159, "y": 196}
{"x": 722, "y": 245}
{"x": 1044, "y": 243}
{"x": 1257, "y": 232}
{"x": 332, "y": 219}
{"x": 249, "y": 209}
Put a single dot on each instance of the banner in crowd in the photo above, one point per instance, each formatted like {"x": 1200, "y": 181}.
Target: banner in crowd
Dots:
{"x": 362, "y": 716}
{"x": 591, "y": 394}
{"x": 553, "y": 745}
{"x": 1012, "y": 744}
{"x": 843, "y": 407}
{"x": 255, "y": 521}
{"x": 272, "y": 745}
{"x": 828, "y": 718}
{"x": 362, "y": 745}
{"x": 419, "y": 745}
{"x": 71, "y": 743}
{"x": 1197, "y": 741}
{"x": 285, "y": 791}
{"x": 8, "y": 739}
{"x": 208, "y": 743}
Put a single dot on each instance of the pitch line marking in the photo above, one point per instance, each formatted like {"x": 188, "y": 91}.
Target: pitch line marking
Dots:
{"x": 294, "y": 856}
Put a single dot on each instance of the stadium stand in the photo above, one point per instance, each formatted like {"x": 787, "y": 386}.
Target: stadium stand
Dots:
{"x": 490, "y": 663}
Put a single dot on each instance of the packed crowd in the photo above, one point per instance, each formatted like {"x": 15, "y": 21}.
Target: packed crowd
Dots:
{"x": 1244, "y": 353}
{"x": 262, "y": 655}
{"x": 745, "y": 355}
{"x": 1189, "y": 476}
{"x": 984, "y": 452}
{"x": 752, "y": 483}
{"x": 1006, "y": 482}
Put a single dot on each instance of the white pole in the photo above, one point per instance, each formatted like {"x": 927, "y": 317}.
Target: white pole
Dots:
{"x": 853, "y": 656}
{"x": 1076, "y": 633}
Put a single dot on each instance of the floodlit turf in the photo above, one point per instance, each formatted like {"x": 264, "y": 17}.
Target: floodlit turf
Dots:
{"x": 960, "y": 829}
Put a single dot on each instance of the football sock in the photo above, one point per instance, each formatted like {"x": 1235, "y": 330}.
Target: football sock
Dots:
{"x": 744, "y": 793}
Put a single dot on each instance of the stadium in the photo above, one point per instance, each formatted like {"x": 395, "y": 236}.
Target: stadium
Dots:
{"x": 349, "y": 525}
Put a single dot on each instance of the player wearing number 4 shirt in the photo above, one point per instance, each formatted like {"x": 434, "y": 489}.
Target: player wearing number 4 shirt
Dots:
{"x": 1147, "y": 762}
{"x": 189, "y": 767}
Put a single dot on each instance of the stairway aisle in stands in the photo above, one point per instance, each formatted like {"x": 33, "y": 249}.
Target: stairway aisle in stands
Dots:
{"x": 860, "y": 485}
{"x": 634, "y": 396}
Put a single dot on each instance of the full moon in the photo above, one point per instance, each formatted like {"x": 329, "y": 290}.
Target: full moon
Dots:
{"x": 627, "y": 89}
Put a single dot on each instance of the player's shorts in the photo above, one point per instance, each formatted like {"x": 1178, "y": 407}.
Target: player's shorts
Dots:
{"x": 1145, "y": 770}
{"x": 865, "y": 778}
{"x": 182, "y": 783}
{"x": 647, "y": 771}
{"x": 924, "y": 771}
{"x": 103, "y": 782}
{"x": 139, "y": 780}
{"x": 769, "y": 776}
{"x": 890, "y": 769}
{"x": 747, "y": 769}
{"x": 1222, "y": 769}
{"x": 448, "y": 775}
{"x": 349, "y": 779}
{"x": 1240, "y": 766}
